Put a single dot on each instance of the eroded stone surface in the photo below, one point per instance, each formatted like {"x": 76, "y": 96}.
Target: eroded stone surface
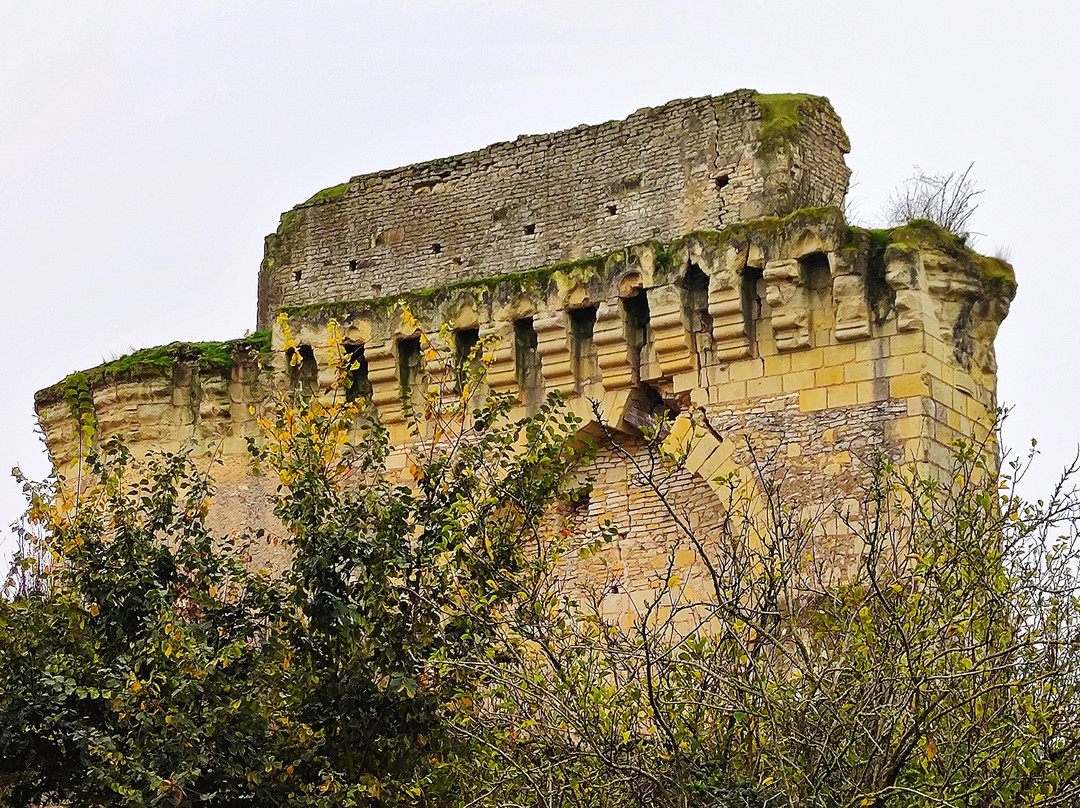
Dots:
{"x": 540, "y": 200}
{"x": 793, "y": 349}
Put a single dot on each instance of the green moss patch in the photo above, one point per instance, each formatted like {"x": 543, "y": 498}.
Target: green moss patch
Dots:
{"x": 213, "y": 356}
{"x": 780, "y": 122}
{"x": 584, "y": 270}
{"x": 290, "y": 223}
{"x": 923, "y": 234}
{"x": 329, "y": 194}
{"x": 536, "y": 281}
{"x": 767, "y": 231}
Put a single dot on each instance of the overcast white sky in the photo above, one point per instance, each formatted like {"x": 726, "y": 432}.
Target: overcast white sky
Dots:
{"x": 147, "y": 148}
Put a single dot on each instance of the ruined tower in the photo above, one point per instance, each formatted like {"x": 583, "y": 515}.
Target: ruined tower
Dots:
{"x": 693, "y": 257}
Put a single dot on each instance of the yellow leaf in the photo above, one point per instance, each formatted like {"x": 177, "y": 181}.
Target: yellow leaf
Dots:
{"x": 94, "y": 610}
{"x": 931, "y": 749}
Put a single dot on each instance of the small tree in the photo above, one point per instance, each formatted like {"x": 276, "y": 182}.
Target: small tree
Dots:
{"x": 29, "y": 564}
{"x": 396, "y": 592}
{"x": 946, "y": 199}
{"x": 155, "y": 667}
{"x": 140, "y": 671}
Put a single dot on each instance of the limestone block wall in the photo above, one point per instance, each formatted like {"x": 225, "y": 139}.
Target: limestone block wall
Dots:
{"x": 798, "y": 350}
{"x": 198, "y": 395}
{"x": 795, "y": 349}
{"x": 690, "y": 263}
{"x": 540, "y": 200}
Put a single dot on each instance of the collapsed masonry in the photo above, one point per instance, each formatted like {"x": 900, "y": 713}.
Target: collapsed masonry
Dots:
{"x": 692, "y": 257}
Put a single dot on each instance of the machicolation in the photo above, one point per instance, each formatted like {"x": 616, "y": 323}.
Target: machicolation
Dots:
{"x": 694, "y": 256}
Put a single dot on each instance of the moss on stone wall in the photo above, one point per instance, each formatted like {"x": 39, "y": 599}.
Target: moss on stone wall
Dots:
{"x": 536, "y": 281}
{"x": 780, "y": 120}
{"x": 216, "y": 357}
{"x": 922, "y": 234}
{"x": 870, "y": 247}
{"x": 290, "y": 224}
{"x": 766, "y": 232}
{"x": 329, "y": 194}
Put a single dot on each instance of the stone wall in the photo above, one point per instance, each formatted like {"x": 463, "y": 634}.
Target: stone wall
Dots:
{"x": 163, "y": 399}
{"x": 546, "y": 199}
{"x": 797, "y": 350}
{"x": 792, "y": 350}
{"x": 812, "y": 348}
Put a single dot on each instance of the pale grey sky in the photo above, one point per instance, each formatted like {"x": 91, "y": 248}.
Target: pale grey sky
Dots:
{"x": 147, "y": 148}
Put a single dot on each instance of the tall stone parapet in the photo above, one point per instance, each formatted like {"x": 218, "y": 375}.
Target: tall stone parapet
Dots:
{"x": 205, "y": 396}
{"x": 695, "y": 164}
{"x": 159, "y": 398}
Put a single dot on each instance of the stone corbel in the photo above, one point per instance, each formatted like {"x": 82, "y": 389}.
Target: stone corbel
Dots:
{"x": 904, "y": 274}
{"x": 849, "y": 298}
{"x": 612, "y": 352}
{"x": 788, "y": 304}
{"x": 671, "y": 343}
{"x": 382, "y": 364}
{"x": 502, "y": 373}
{"x": 555, "y": 352}
{"x": 730, "y": 338}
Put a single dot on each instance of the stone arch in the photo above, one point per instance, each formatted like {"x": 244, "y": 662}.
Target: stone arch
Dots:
{"x": 702, "y": 451}
{"x": 648, "y": 553}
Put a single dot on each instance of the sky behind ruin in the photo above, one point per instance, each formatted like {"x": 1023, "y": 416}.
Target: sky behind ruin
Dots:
{"x": 147, "y": 148}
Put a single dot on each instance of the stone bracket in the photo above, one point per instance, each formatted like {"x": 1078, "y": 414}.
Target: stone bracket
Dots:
{"x": 672, "y": 347}
{"x": 788, "y": 304}
{"x": 729, "y": 328}
{"x": 904, "y": 274}
{"x": 852, "y": 311}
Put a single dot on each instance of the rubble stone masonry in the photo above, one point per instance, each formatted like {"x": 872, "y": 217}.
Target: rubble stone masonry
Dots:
{"x": 689, "y": 165}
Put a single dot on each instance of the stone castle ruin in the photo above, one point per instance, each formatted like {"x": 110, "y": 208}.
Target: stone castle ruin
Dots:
{"x": 693, "y": 258}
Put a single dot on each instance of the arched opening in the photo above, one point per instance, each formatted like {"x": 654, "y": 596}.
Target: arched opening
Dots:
{"x": 636, "y": 318}
{"x": 303, "y": 369}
